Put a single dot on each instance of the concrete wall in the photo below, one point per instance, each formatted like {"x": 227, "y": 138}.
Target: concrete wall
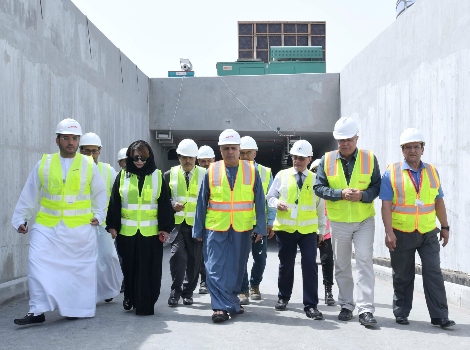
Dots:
{"x": 416, "y": 74}
{"x": 302, "y": 102}
{"x": 55, "y": 64}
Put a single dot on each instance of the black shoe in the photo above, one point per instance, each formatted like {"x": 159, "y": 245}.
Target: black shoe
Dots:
{"x": 345, "y": 315}
{"x": 30, "y": 319}
{"x": 281, "y": 304}
{"x": 187, "y": 301}
{"x": 108, "y": 300}
{"x": 126, "y": 304}
{"x": 314, "y": 313}
{"x": 329, "y": 300}
{"x": 367, "y": 319}
{"x": 401, "y": 320}
{"x": 441, "y": 322}
{"x": 203, "y": 288}
{"x": 173, "y": 301}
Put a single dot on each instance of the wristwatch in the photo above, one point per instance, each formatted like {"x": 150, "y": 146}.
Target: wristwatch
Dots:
{"x": 445, "y": 228}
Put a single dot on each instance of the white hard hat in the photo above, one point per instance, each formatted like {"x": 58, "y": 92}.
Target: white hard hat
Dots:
{"x": 69, "y": 126}
{"x": 229, "y": 137}
{"x": 302, "y": 148}
{"x": 411, "y": 135}
{"x": 122, "y": 154}
{"x": 188, "y": 148}
{"x": 345, "y": 128}
{"x": 90, "y": 139}
{"x": 247, "y": 142}
{"x": 205, "y": 152}
{"x": 314, "y": 164}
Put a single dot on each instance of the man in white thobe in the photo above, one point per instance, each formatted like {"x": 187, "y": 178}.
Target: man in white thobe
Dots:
{"x": 71, "y": 197}
{"x": 109, "y": 275}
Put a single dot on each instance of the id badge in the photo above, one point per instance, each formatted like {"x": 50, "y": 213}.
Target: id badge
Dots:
{"x": 419, "y": 203}
{"x": 293, "y": 213}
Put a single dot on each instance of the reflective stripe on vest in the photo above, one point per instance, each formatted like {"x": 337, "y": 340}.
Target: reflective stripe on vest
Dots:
{"x": 406, "y": 215}
{"x": 228, "y": 207}
{"x": 105, "y": 172}
{"x": 67, "y": 200}
{"x": 140, "y": 211}
{"x": 307, "y": 217}
{"x": 180, "y": 193}
{"x": 343, "y": 210}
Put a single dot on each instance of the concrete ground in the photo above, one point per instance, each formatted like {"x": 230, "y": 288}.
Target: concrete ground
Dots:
{"x": 260, "y": 327}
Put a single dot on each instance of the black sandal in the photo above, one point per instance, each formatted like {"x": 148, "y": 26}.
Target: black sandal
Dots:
{"x": 126, "y": 304}
{"x": 216, "y": 318}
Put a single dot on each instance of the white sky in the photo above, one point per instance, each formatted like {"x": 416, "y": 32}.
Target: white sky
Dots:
{"x": 155, "y": 34}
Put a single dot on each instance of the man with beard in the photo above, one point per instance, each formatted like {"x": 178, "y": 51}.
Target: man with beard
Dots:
{"x": 71, "y": 196}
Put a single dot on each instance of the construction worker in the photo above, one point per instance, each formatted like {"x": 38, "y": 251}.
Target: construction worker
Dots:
{"x": 326, "y": 250}
{"x": 299, "y": 219}
{"x": 412, "y": 199}
{"x": 109, "y": 274}
{"x": 71, "y": 197}
{"x": 121, "y": 158}
{"x": 259, "y": 249}
{"x": 224, "y": 221}
{"x": 205, "y": 157}
{"x": 349, "y": 181}
{"x": 185, "y": 259}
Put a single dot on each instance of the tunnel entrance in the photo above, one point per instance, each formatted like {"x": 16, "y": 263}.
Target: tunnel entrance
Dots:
{"x": 272, "y": 148}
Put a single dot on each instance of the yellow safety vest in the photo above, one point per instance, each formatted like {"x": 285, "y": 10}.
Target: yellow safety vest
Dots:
{"x": 140, "y": 211}
{"x": 180, "y": 193}
{"x": 307, "y": 218}
{"x": 105, "y": 172}
{"x": 265, "y": 176}
{"x": 231, "y": 208}
{"x": 69, "y": 201}
{"x": 406, "y": 215}
{"x": 343, "y": 210}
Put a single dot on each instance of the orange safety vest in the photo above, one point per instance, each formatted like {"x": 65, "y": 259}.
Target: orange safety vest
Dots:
{"x": 229, "y": 207}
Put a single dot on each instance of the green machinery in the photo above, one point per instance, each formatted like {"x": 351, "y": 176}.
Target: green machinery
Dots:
{"x": 283, "y": 60}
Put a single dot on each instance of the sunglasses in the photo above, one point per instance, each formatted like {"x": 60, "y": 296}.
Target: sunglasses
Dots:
{"x": 137, "y": 158}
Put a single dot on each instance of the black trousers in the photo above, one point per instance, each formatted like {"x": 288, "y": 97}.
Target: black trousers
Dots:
{"x": 327, "y": 261}
{"x": 403, "y": 265}
{"x": 185, "y": 262}
{"x": 287, "y": 246}
{"x": 142, "y": 269}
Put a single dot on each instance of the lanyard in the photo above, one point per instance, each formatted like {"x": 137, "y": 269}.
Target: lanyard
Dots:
{"x": 416, "y": 185}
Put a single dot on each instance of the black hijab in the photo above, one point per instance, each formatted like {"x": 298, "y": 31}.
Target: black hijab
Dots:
{"x": 149, "y": 166}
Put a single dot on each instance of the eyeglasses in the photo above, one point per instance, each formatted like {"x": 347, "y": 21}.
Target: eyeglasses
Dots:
{"x": 90, "y": 151}
{"x": 68, "y": 138}
{"x": 299, "y": 158}
{"x": 137, "y": 158}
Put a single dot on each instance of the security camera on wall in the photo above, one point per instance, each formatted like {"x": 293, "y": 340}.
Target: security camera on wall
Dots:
{"x": 186, "y": 65}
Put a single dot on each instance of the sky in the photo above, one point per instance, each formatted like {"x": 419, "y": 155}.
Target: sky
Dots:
{"x": 155, "y": 34}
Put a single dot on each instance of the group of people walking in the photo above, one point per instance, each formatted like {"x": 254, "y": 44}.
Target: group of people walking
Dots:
{"x": 215, "y": 213}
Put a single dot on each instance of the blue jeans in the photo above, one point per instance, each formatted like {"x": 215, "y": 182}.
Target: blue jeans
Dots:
{"x": 259, "y": 253}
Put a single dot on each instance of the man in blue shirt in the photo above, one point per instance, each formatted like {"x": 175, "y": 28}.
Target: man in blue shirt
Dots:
{"x": 226, "y": 252}
{"x": 412, "y": 198}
